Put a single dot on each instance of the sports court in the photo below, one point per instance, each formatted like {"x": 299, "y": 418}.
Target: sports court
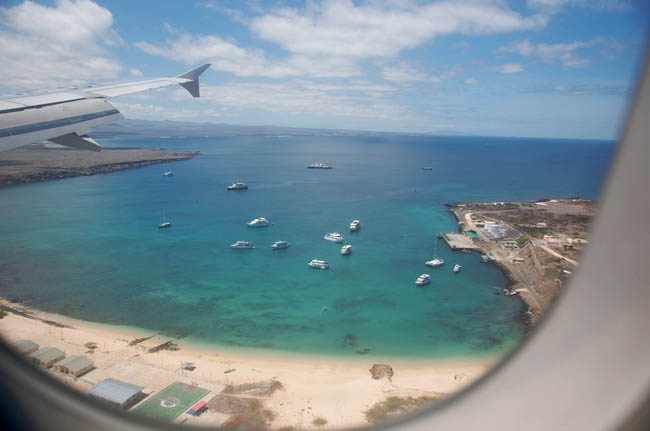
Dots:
{"x": 167, "y": 404}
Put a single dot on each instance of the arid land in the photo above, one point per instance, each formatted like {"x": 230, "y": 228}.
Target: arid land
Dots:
{"x": 40, "y": 162}
{"x": 549, "y": 236}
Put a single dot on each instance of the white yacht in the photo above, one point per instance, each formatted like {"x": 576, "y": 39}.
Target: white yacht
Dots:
{"x": 423, "y": 280}
{"x": 280, "y": 244}
{"x": 168, "y": 174}
{"x": 457, "y": 268}
{"x": 242, "y": 244}
{"x": 346, "y": 249}
{"x": 334, "y": 237}
{"x": 319, "y": 165}
{"x": 259, "y": 222}
{"x": 165, "y": 224}
{"x": 436, "y": 260}
{"x": 238, "y": 186}
{"x": 315, "y": 263}
{"x": 355, "y": 225}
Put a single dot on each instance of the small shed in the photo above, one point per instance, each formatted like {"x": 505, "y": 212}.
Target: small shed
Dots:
{"x": 74, "y": 365}
{"x": 47, "y": 356}
{"x": 25, "y": 347}
{"x": 116, "y": 392}
{"x": 197, "y": 409}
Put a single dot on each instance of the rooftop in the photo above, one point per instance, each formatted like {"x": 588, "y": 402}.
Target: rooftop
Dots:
{"x": 74, "y": 363}
{"x": 114, "y": 390}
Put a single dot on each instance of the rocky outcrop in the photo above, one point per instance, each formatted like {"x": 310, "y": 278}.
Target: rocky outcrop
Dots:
{"x": 379, "y": 371}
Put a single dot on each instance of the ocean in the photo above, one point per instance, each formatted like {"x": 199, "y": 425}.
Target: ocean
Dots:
{"x": 89, "y": 247}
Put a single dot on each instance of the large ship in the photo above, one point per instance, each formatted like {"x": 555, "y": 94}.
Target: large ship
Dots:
{"x": 319, "y": 165}
{"x": 321, "y": 264}
{"x": 334, "y": 237}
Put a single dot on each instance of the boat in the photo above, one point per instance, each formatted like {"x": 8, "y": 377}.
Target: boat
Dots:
{"x": 355, "y": 225}
{"x": 315, "y": 263}
{"x": 427, "y": 168}
{"x": 280, "y": 244}
{"x": 242, "y": 244}
{"x": 436, "y": 260}
{"x": 510, "y": 292}
{"x": 423, "y": 280}
{"x": 168, "y": 174}
{"x": 457, "y": 268}
{"x": 259, "y": 222}
{"x": 464, "y": 250}
{"x": 334, "y": 237}
{"x": 319, "y": 165}
{"x": 485, "y": 258}
{"x": 164, "y": 225}
{"x": 346, "y": 249}
{"x": 238, "y": 186}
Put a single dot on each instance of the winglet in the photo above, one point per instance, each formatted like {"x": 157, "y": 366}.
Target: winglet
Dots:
{"x": 193, "y": 75}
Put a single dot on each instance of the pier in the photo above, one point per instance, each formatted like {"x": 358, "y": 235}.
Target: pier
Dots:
{"x": 459, "y": 241}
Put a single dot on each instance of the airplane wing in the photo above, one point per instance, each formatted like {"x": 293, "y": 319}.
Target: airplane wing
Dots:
{"x": 65, "y": 117}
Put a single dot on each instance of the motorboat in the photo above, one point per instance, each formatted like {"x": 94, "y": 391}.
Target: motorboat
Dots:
{"x": 427, "y": 168}
{"x": 259, "y": 222}
{"x": 346, "y": 249}
{"x": 334, "y": 237}
{"x": 355, "y": 225}
{"x": 280, "y": 244}
{"x": 510, "y": 292}
{"x": 168, "y": 174}
{"x": 435, "y": 262}
{"x": 165, "y": 224}
{"x": 423, "y": 280}
{"x": 457, "y": 268}
{"x": 485, "y": 258}
{"x": 242, "y": 244}
{"x": 319, "y": 165}
{"x": 238, "y": 186}
{"x": 321, "y": 264}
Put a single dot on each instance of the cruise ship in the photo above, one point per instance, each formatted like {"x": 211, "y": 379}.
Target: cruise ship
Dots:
{"x": 279, "y": 245}
{"x": 319, "y": 165}
{"x": 238, "y": 186}
{"x": 334, "y": 237}
{"x": 259, "y": 222}
{"x": 355, "y": 225}
{"x": 242, "y": 244}
{"x": 321, "y": 264}
{"x": 346, "y": 249}
{"x": 423, "y": 280}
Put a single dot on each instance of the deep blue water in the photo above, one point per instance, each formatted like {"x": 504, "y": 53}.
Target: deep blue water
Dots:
{"x": 88, "y": 247}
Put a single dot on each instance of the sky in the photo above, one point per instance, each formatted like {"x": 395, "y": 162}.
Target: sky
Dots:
{"x": 530, "y": 68}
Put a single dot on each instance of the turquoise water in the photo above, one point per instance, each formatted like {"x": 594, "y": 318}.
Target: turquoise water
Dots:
{"x": 88, "y": 247}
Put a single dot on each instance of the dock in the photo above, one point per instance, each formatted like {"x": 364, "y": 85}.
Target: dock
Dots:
{"x": 459, "y": 241}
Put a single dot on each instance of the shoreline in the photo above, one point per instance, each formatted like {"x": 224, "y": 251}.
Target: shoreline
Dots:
{"x": 39, "y": 163}
{"x": 338, "y": 389}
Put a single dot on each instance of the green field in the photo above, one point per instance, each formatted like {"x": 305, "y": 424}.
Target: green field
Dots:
{"x": 167, "y": 404}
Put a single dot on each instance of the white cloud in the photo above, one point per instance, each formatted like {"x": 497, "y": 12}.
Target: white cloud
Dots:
{"x": 381, "y": 29}
{"x": 61, "y": 45}
{"x": 554, "y": 6}
{"x": 471, "y": 81}
{"x": 403, "y": 72}
{"x": 332, "y": 37}
{"x": 135, "y": 72}
{"x": 511, "y": 68}
{"x": 356, "y": 99}
{"x": 563, "y": 53}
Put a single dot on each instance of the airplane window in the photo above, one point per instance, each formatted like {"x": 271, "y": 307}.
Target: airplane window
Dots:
{"x": 318, "y": 215}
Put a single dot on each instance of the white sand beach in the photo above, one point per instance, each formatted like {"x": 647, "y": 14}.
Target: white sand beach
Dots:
{"x": 336, "y": 389}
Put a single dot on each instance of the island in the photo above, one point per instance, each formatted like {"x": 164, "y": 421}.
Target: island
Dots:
{"x": 41, "y": 162}
{"x": 536, "y": 244}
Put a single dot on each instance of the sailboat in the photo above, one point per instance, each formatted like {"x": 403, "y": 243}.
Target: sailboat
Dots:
{"x": 436, "y": 260}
